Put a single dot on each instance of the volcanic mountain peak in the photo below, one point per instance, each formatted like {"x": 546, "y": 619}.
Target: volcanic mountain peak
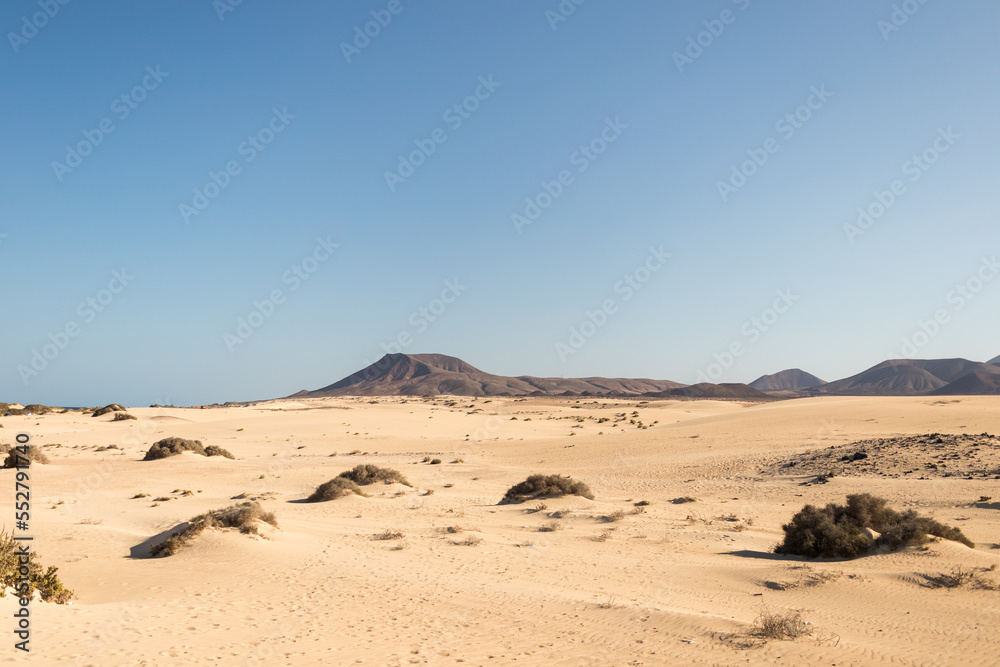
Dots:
{"x": 977, "y": 383}
{"x": 787, "y": 380}
{"x": 995, "y": 362}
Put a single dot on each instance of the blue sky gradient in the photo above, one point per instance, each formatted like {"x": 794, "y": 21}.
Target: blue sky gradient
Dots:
{"x": 890, "y": 90}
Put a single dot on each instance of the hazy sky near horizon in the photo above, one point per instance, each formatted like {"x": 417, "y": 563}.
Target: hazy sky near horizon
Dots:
{"x": 208, "y": 201}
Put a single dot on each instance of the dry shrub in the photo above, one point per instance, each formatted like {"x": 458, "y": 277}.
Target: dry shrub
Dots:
{"x": 338, "y": 487}
{"x": 367, "y": 473}
{"x": 245, "y": 517}
{"x": 684, "y": 499}
{"x": 168, "y": 447}
{"x": 215, "y": 450}
{"x": 389, "y": 535}
{"x": 123, "y": 416}
{"x": 613, "y": 517}
{"x": 839, "y": 531}
{"x": 470, "y": 541}
{"x": 44, "y": 580}
{"x": 550, "y": 527}
{"x": 113, "y": 407}
{"x": 773, "y": 625}
{"x": 26, "y": 455}
{"x": 961, "y": 577}
{"x": 546, "y": 486}
{"x": 173, "y": 446}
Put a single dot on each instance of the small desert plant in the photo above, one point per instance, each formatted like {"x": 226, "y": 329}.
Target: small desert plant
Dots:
{"x": 603, "y": 537}
{"x": 123, "y": 416}
{"x": 140, "y": 495}
{"x": 389, "y": 535}
{"x": 546, "y": 486}
{"x": 215, "y": 450}
{"x": 614, "y": 516}
{"x": 684, "y": 499}
{"x": 338, "y": 487}
{"x": 435, "y": 462}
{"x": 839, "y": 531}
{"x": 167, "y": 447}
{"x": 961, "y": 577}
{"x": 13, "y": 569}
{"x": 773, "y": 625}
{"x": 470, "y": 541}
{"x": 173, "y": 446}
{"x": 25, "y": 455}
{"x": 367, "y": 473}
{"x": 643, "y": 503}
{"x": 246, "y": 517}
{"x": 550, "y": 527}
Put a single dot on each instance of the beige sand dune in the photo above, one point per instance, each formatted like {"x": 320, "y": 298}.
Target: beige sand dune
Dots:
{"x": 676, "y": 584}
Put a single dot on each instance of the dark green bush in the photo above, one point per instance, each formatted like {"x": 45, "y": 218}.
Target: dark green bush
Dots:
{"x": 546, "y": 486}
{"x": 44, "y": 580}
{"x": 839, "y": 531}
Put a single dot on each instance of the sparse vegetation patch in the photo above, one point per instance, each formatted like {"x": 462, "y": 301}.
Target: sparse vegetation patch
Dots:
{"x": 245, "y": 517}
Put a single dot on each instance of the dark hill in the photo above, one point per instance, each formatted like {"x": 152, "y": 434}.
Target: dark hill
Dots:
{"x": 976, "y": 383}
{"x": 788, "y": 380}
{"x": 434, "y": 374}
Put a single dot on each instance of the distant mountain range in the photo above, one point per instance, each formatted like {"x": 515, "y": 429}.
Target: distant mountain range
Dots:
{"x": 435, "y": 374}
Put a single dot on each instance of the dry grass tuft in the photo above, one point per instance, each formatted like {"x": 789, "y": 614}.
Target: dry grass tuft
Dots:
{"x": 960, "y": 577}
{"x": 389, "y": 535}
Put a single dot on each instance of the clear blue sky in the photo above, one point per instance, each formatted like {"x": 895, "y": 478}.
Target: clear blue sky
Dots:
{"x": 338, "y": 119}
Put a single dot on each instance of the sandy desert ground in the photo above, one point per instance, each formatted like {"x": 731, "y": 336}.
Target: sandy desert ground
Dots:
{"x": 678, "y": 584}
